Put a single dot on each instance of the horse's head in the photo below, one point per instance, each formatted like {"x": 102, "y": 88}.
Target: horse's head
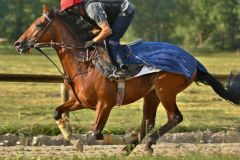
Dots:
{"x": 44, "y": 30}
{"x": 39, "y": 31}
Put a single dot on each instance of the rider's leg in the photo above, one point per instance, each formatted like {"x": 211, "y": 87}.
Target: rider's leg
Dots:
{"x": 119, "y": 28}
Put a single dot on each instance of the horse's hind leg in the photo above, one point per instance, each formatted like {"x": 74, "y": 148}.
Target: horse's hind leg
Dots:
{"x": 174, "y": 118}
{"x": 167, "y": 87}
{"x": 151, "y": 102}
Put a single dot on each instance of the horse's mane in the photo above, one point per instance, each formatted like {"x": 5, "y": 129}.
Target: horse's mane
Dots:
{"x": 79, "y": 27}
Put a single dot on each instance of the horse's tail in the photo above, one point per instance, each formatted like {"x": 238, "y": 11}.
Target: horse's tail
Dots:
{"x": 229, "y": 91}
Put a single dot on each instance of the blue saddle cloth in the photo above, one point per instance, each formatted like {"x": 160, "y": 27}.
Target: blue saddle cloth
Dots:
{"x": 166, "y": 57}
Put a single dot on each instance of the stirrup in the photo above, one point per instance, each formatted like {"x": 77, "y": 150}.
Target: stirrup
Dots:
{"x": 114, "y": 76}
{"x": 118, "y": 77}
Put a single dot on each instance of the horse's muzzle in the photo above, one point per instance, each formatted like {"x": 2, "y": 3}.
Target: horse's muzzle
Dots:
{"x": 22, "y": 47}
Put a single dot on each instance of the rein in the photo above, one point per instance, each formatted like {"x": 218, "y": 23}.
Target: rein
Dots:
{"x": 59, "y": 45}
{"x": 65, "y": 76}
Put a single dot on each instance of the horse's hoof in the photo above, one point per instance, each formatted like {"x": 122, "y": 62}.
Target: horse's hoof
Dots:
{"x": 98, "y": 136}
{"x": 128, "y": 148}
{"x": 148, "y": 149}
{"x": 78, "y": 145}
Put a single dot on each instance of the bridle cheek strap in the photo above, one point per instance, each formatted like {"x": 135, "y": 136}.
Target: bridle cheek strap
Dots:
{"x": 47, "y": 17}
{"x": 32, "y": 44}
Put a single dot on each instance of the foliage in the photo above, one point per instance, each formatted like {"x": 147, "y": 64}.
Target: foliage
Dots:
{"x": 154, "y": 21}
{"x": 207, "y": 24}
{"x": 16, "y": 15}
{"x": 202, "y": 24}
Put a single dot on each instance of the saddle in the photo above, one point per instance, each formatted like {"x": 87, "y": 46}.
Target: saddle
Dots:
{"x": 108, "y": 69}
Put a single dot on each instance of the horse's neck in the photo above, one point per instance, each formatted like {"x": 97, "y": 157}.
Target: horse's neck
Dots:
{"x": 64, "y": 35}
{"x": 70, "y": 57}
{"x": 67, "y": 56}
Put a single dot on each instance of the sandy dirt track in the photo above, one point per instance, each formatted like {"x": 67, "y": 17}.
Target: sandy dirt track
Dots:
{"x": 169, "y": 145}
{"x": 163, "y": 149}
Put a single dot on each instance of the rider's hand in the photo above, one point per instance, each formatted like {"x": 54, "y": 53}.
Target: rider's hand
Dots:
{"x": 89, "y": 44}
{"x": 96, "y": 31}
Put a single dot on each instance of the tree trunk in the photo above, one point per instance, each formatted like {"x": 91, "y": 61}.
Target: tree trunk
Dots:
{"x": 222, "y": 41}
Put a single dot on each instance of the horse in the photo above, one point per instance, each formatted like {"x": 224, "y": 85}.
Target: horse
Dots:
{"x": 89, "y": 89}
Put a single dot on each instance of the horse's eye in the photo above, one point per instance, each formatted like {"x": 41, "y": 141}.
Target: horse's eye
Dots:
{"x": 39, "y": 25}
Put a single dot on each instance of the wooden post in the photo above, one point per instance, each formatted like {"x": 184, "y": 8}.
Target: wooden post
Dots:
{"x": 64, "y": 94}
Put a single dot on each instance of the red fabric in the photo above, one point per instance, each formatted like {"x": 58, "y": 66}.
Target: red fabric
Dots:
{"x": 65, "y": 4}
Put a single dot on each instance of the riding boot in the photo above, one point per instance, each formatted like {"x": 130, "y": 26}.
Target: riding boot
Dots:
{"x": 118, "y": 55}
{"x": 120, "y": 74}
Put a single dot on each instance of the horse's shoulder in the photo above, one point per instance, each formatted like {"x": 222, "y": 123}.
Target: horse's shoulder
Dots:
{"x": 103, "y": 53}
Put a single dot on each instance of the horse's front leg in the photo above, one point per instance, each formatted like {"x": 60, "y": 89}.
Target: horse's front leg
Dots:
{"x": 64, "y": 108}
{"x": 102, "y": 113}
{"x": 61, "y": 115}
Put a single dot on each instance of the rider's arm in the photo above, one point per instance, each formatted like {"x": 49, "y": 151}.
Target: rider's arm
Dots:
{"x": 104, "y": 33}
{"x": 96, "y": 12}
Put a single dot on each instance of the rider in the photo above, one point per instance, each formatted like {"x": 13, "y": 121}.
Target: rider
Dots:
{"x": 112, "y": 17}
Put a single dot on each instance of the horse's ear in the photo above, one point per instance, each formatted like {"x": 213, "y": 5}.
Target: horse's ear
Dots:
{"x": 45, "y": 9}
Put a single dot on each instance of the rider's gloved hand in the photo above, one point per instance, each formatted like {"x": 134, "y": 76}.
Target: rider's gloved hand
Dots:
{"x": 89, "y": 44}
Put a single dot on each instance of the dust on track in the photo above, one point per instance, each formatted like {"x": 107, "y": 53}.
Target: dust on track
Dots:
{"x": 163, "y": 149}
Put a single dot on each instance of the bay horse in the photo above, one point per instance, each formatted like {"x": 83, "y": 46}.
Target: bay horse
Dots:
{"x": 90, "y": 89}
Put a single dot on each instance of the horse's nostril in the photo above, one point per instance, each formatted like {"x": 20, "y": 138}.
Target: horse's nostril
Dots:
{"x": 17, "y": 43}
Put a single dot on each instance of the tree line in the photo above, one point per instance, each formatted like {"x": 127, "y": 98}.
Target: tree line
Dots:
{"x": 206, "y": 24}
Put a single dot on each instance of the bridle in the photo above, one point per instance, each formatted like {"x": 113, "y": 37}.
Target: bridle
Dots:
{"x": 34, "y": 44}
{"x": 38, "y": 46}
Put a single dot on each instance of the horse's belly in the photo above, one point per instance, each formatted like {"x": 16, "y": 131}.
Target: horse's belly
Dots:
{"x": 138, "y": 88}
